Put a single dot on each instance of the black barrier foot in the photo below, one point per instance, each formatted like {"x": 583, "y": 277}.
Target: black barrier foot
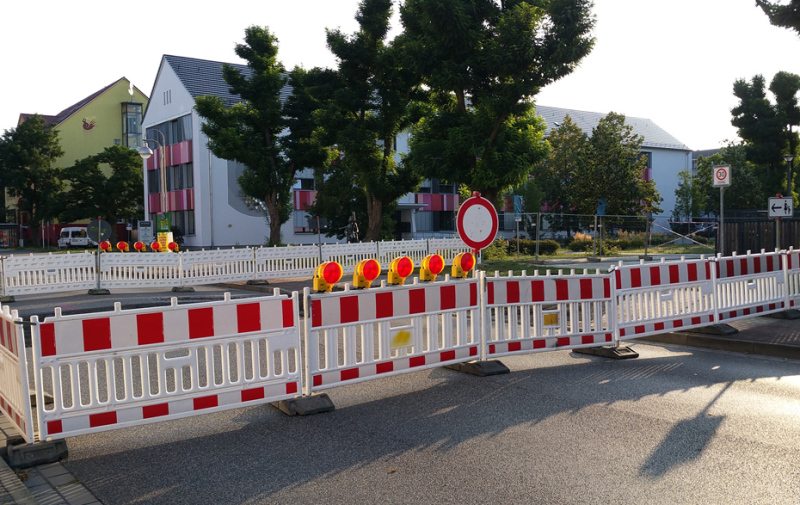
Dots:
{"x": 609, "y": 351}
{"x": 28, "y": 455}
{"x": 715, "y": 329}
{"x": 183, "y": 289}
{"x": 99, "y": 292}
{"x": 252, "y": 282}
{"x": 786, "y": 314}
{"x": 480, "y": 368}
{"x": 305, "y": 406}
{"x": 7, "y": 299}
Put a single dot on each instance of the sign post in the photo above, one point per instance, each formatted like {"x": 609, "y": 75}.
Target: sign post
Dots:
{"x": 722, "y": 179}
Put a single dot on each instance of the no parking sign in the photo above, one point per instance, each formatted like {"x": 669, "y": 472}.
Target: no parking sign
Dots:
{"x": 477, "y": 222}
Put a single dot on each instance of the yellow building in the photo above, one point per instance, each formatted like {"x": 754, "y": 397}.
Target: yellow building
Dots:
{"x": 110, "y": 116}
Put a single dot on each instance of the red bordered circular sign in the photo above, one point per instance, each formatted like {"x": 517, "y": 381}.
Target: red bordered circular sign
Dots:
{"x": 477, "y": 222}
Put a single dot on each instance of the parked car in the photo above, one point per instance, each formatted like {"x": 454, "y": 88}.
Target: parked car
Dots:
{"x": 75, "y": 236}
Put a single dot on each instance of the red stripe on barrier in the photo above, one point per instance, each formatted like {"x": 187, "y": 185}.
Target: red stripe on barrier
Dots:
{"x": 563, "y": 341}
{"x": 746, "y": 312}
{"x": 447, "y": 297}
{"x": 149, "y": 328}
{"x": 384, "y": 367}
{"x": 537, "y": 291}
{"x": 622, "y": 332}
{"x": 730, "y": 268}
{"x": 562, "y": 289}
{"x": 587, "y": 339}
{"x": 248, "y": 395}
{"x": 757, "y": 266}
{"x": 447, "y": 356}
{"x": 636, "y": 278}
{"x": 771, "y": 306}
{"x": 291, "y": 388}
{"x": 539, "y": 344}
{"x": 674, "y": 274}
{"x": 491, "y": 349}
{"x": 96, "y": 334}
{"x": 708, "y": 271}
{"x": 384, "y": 305}
{"x": 248, "y": 317}
{"x": 47, "y": 338}
{"x": 317, "y": 380}
{"x": 691, "y": 269}
{"x": 769, "y": 264}
{"x": 348, "y": 309}
{"x": 606, "y": 288}
{"x": 677, "y": 323}
{"x": 638, "y": 329}
{"x": 473, "y": 295}
{"x": 54, "y": 427}
{"x": 743, "y": 267}
{"x": 316, "y": 313}
{"x": 416, "y": 361}
{"x": 609, "y": 337}
{"x": 780, "y": 262}
{"x": 619, "y": 278}
{"x": 473, "y": 351}
{"x": 696, "y": 320}
{"x": 349, "y": 374}
{"x": 287, "y": 307}
{"x": 655, "y": 276}
{"x": 718, "y": 270}
{"x": 490, "y": 293}
{"x": 103, "y": 419}
{"x": 759, "y": 309}
{"x": 658, "y": 326}
{"x": 586, "y": 289}
{"x": 151, "y": 411}
{"x": 512, "y": 292}
{"x": 514, "y": 346}
{"x": 206, "y": 402}
{"x": 416, "y": 301}
{"x": 201, "y": 323}
{"x": 3, "y": 336}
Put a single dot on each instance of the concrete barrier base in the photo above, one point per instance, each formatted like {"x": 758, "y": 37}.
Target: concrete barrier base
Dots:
{"x": 100, "y": 291}
{"x": 715, "y": 329}
{"x": 305, "y": 406}
{"x": 183, "y": 289}
{"x": 609, "y": 351}
{"x": 28, "y": 455}
{"x": 480, "y": 368}
{"x": 786, "y": 314}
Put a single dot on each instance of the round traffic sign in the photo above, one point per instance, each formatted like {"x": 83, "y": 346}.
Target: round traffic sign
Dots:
{"x": 722, "y": 173}
{"x": 477, "y": 222}
{"x": 98, "y": 230}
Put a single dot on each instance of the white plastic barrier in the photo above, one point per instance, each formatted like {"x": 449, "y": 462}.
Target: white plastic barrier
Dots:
{"x": 124, "y": 368}
{"x": 282, "y": 262}
{"x": 220, "y": 265}
{"x": 139, "y": 270}
{"x": 352, "y": 336}
{"x": 545, "y": 313}
{"x": 15, "y": 400}
{"x": 656, "y": 298}
{"x": 750, "y": 285}
{"x": 414, "y": 249}
{"x": 448, "y": 248}
{"x": 349, "y": 255}
{"x": 792, "y": 278}
{"x": 39, "y": 273}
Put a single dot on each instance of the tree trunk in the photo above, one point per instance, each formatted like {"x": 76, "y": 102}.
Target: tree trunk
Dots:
{"x": 375, "y": 213}
{"x": 271, "y": 202}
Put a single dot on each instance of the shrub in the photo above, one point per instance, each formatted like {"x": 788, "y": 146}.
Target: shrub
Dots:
{"x": 699, "y": 238}
{"x": 580, "y": 245}
{"x": 528, "y": 247}
{"x": 496, "y": 251}
{"x": 546, "y": 247}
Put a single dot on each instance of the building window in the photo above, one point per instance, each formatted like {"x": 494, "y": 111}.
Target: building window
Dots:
{"x": 183, "y": 220}
{"x": 153, "y": 181}
{"x": 131, "y": 124}
{"x": 174, "y": 131}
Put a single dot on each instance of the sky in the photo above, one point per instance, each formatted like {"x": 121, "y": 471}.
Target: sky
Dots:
{"x": 673, "y": 62}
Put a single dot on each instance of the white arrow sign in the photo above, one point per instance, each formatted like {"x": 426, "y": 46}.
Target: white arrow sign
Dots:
{"x": 781, "y": 207}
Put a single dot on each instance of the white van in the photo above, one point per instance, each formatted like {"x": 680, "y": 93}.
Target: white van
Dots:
{"x": 75, "y": 236}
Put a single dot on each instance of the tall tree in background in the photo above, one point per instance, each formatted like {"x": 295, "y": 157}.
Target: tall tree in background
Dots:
{"x": 785, "y": 16}
{"x": 566, "y": 160}
{"x": 27, "y": 153}
{"x": 250, "y": 132}
{"x": 767, "y": 129}
{"x": 364, "y": 105}
{"x": 613, "y": 170}
{"x": 484, "y": 62}
{"x": 91, "y": 193}
{"x": 747, "y": 190}
{"x": 690, "y": 202}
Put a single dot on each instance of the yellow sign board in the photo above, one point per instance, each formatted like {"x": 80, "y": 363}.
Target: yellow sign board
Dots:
{"x": 401, "y": 338}
{"x": 551, "y": 319}
{"x": 164, "y": 238}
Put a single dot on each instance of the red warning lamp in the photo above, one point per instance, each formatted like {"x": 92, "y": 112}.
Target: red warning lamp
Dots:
{"x": 140, "y": 246}
{"x": 122, "y": 246}
{"x": 326, "y": 275}
{"x": 432, "y": 265}
{"x": 105, "y": 245}
{"x": 173, "y": 246}
{"x": 366, "y": 272}
{"x": 399, "y": 269}
{"x": 155, "y": 246}
{"x": 462, "y": 264}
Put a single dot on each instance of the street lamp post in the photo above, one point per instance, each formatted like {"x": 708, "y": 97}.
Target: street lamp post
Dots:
{"x": 145, "y": 152}
{"x": 789, "y": 169}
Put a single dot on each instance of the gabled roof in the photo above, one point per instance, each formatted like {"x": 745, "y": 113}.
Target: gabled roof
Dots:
{"x": 204, "y": 77}
{"x": 654, "y": 136}
{"x": 72, "y": 109}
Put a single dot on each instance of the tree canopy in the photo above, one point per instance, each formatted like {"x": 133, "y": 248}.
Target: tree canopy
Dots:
{"x": 483, "y": 62}
{"x": 27, "y": 153}
{"x": 253, "y": 131}
{"x": 91, "y": 193}
{"x": 783, "y": 15}
{"x": 363, "y": 105}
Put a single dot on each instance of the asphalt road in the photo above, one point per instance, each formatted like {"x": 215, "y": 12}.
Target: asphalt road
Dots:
{"x": 677, "y": 425}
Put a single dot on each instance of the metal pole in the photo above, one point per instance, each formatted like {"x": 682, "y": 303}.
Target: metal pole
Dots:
{"x": 99, "y": 237}
{"x": 517, "y": 239}
{"x": 778, "y": 234}
{"x": 538, "y": 221}
{"x": 721, "y": 233}
{"x": 594, "y": 242}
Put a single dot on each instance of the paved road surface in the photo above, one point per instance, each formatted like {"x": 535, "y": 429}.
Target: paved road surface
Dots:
{"x": 677, "y": 425}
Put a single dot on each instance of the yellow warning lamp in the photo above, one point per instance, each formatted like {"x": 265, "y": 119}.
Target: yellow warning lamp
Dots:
{"x": 326, "y": 275}
{"x": 399, "y": 269}
{"x": 462, "y": 264}
{"x": 432, "y": 265}
{"x": 366, "y": 272}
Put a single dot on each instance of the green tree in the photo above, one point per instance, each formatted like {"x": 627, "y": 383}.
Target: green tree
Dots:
{"x": 690, "y": 201}
{"x": 785, "y": 16}
{"x": 613, "y": 170}
{"x": 27, "y": 153}
{"x": 483, "y": 62}
{"x": 746, "y": 190}
{"x": 568, "y": 149}
{"x": 91, "y": 193}
{"x": 364, "y": 105}
{"x": 251, "y": 132}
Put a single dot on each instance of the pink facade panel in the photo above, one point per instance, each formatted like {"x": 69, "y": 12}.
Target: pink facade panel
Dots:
{"x": 181, "y": 153}
{"x": 304, "y": 198}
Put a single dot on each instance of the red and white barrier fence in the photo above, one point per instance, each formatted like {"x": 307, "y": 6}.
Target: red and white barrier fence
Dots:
{"x": 15, "y": 400}
{"x": 125, "y": 368}
{"x": 353, "y": 336}
{"x": 655, "y": 298}
{"x": 750, "y": 285}
{"x": 543, "y": 313}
